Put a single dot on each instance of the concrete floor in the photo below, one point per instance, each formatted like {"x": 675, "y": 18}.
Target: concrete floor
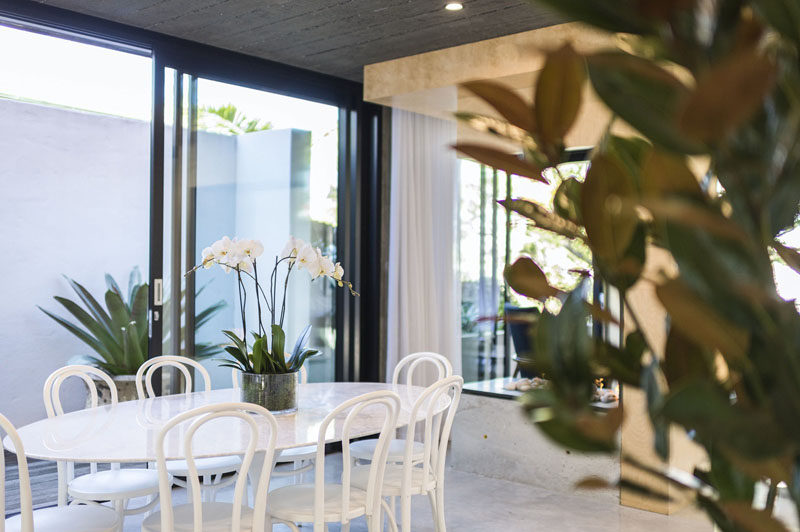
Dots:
{"x": 475, "y": 503}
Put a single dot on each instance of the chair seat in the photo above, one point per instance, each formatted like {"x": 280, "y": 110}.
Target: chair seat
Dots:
{"x": 217, "y": 517}
{"x": 206, "y": 466}
{"x": 77, "y": 518}
{"x": 307, "y": 452}
{"x": 295, "y": 503}
{"x": 393, "y": 480}
{"x": 114, "y": 484}
{"x": 365, "y": 450}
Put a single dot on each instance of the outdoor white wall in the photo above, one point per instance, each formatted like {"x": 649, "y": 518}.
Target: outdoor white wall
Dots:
{"x": 75, "y": 200}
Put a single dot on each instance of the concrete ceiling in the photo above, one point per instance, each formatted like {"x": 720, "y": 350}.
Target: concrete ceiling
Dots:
{"x": 335, "y": 37}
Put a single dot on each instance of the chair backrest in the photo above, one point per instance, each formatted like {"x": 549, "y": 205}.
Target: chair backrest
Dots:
{"x": 390, "y": 403}
{"x": 425, "y": 358}
{"x": 52, "y": 386}
{"x": 197, "y": 418}
{"x": 436, "y": 429}
{"x": 146, "y": 371}
{"x": 236, "y": 375}
{"x": 26, "y": 501}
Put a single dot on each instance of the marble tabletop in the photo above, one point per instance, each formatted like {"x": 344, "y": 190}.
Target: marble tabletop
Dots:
{"x": 127, "y": 432}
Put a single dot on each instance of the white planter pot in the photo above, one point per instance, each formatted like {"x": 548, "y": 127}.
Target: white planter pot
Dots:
{"x": 126, "y": 390}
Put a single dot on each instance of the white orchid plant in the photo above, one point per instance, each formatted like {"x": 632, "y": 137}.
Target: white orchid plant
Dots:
{"x": 267, "y": 355}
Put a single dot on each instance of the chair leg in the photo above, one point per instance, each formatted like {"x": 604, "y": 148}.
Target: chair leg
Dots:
{"x": 434, "y": 510}
{"x": 346, "y": 527}
{"x": 392, "y": 521}
{"x": 119, "y": 507}
{"x": 440, "y": 508}
{"x": 405, "y": 513}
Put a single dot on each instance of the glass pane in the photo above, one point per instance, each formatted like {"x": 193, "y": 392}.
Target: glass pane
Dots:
{"x": 501, "y": 239}
{"x": 75, "y": 183}
{"x": 267, "y": 168}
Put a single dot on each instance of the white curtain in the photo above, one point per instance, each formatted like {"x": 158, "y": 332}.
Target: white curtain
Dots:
{"x": 423, "y": 300}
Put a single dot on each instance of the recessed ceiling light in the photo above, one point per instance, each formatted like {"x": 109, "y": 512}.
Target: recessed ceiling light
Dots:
{"x": 454, "y": 6}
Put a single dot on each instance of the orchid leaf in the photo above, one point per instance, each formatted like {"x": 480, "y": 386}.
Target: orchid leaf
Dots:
{"x": 278, "y": 344}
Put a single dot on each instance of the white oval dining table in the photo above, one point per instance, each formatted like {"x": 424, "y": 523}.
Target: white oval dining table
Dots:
{"x": 127, "y": 431}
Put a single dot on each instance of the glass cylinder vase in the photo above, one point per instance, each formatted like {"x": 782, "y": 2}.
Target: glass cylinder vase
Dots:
{"x": 275, "y": 392}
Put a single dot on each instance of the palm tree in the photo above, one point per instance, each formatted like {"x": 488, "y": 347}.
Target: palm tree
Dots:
{"x": 228, "y": 120}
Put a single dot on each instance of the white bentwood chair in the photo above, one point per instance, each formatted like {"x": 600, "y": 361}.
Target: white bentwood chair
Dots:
{"x": 199, "y": 516}
{"x": 363, "y": 449}
{"x": 427, "y": 476}
{"x": 302, "y": 458}
{"x": 116, "y": 485}
{"x": 320, "y": 503}
{"x": 211, "y": 469}
{"x": 75, "y": 518}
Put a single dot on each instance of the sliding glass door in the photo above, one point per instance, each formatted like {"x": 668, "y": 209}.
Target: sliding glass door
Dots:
{"x": 75, "y": 184}
{"x": 250, "y": 164}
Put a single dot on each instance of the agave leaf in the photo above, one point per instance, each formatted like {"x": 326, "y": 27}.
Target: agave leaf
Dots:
{"x": 134, "y": 282}
{"x": 111, "y": 284}
{"x": 139, "y": 313}
{"x": 111, "y": 345}
{"x": 91, "y": 303}
{"x": 134, "y": 356}
{"x": 87, "y": 338}
{"x": 119, "y": 311}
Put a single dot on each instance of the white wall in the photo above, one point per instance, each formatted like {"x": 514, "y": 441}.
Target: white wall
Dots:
{"x": 75, "y": 200}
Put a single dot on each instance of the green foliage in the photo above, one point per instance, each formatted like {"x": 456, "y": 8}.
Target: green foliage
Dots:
{"x": 722, "y": 82}
{"x": 117, "y": 333}
{"x": 268, "y": 355}
{"x": 228, "y": 120}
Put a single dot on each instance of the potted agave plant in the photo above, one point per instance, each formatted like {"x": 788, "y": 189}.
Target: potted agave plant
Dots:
{"x": 269, "y": 376}
{"x": 117, "y": 332}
